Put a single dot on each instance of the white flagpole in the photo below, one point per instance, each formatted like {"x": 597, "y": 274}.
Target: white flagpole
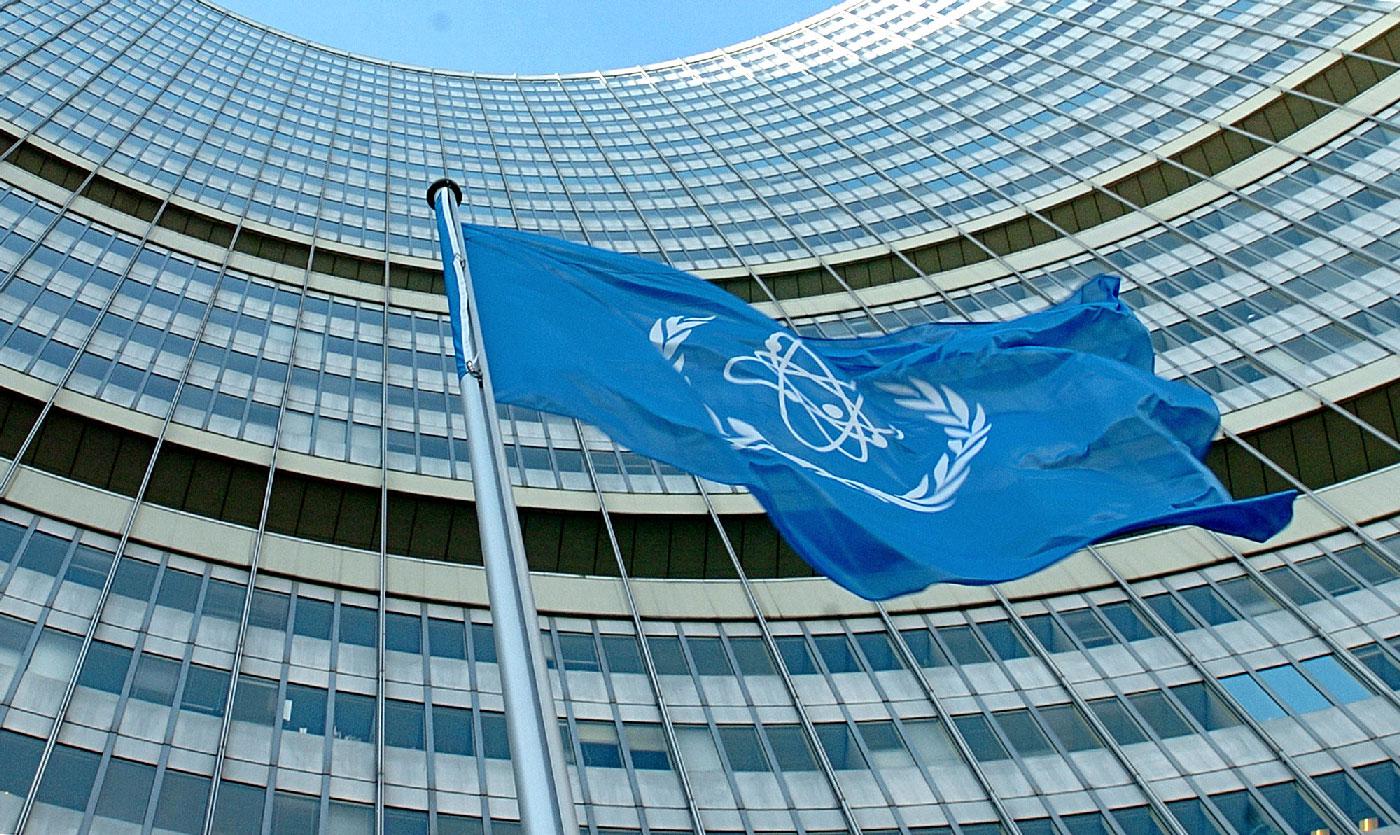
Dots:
{"x": 536, "y": 752}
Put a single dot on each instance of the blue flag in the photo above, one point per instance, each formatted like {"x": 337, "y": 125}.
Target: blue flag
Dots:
{"x": 961, "y": 453}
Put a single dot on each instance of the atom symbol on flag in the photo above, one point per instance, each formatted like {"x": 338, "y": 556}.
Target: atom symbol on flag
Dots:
{"x": 821, "y": 411}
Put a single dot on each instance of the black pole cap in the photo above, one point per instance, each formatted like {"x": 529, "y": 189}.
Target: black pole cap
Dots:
{"x": 443, "y": 182}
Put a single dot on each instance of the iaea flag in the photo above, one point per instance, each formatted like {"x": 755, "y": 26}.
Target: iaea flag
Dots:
{"x": 963, "y": 453}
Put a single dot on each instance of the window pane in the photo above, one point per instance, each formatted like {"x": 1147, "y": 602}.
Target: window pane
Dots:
{"x": 925, "y": 651}
{"x": 495, "y": 745}
{"x": 1118, "y": 721}
{"x": 403, "y": 724}
{"x": 1193, "y": 817}
{"x": 883, "y": 743}
{"x": 709, "y": 657}
{"x": 239, "y": 809}
{"x": 126, "y": 788}
{"x": 1295, "y": 691}
{"x": 1049, "y": 633}
{"x": 666, "y": 654}
{"x": 1004, "y": 641}
{"x": 578, "y": 652}
{"x": 793, "y": 649}
{"x": 255, "y": 700}
{"x": 1248, "y": 596}
{"x": 622, "y": 654}
{"x": 1171, "y": 613}
{"x": 963, "y": 645}
{"x": 979, "y": 737}
{"x": 1025, "y": 735}
{"x": 359, "y": 626}
{"x": 742, "y": 748}
{"x": 205, "y": 690}
{"x": 354, "y": 717}
{"x": 1339, "y": 684}
{"x": 1070, "y": 727}
{"x": 598, "y": 743}
{"x": 294, "y": 814}
{"x": 304, "y": 710}
{"x": 790, "y": 747}
{"x": 647, "y": 746}
{"x": 88, "y": 567}
{"x": 1208, "y": 605}
{"x": 1164, "y": 718}
{"x": 836, "y": 653}
{"x": 155, "y": 679}
{"x": 452, "y": 730}
{"x": 269, "y": 610}
{"x": 446, "y": 639}
{"x": 105, "y": 667}
{"x": 1203, "y": 704}
{"x": 313, "y": 618}
{"x": 182, "y": 801}
{"x": 1251, "y": 697}
{"x": 840, "y": 745}
{"x": 1245, "y": 814}
{"x": 483, "y": 643}
{"x": 68, "y": 778}
{"x": 751, "y": 656}
{"x": 1087, "y": 628}
{"x": 403, "y": 633}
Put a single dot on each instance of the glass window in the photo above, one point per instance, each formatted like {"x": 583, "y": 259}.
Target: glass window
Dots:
{"x": 667, "y": 655}
{"x": 1245, "y": 814}
{"x": 796, "y": 657}
{"x": 223, "y": 600}
{"x": 483, "y": 643}
{"x": 1193, "y": 817}
{"x": 452, "y": 730}
{"x": 647, "y": 746}
{"x": 1171, "y": 613}
{"x": 68, "y": 778}
{"x": 1049, "y": 633}
{"x": 205, "y": 690}
{"x": 178, "y": 590}
{"x": 269, "y": 610}
{"x": 357, "y": 819}
{"x": 622, "y": 654}
{"x": 304, "y": 709}
{"x": 1286, "y": 581}
{"x": 10, "y": 535}
{"x": 1248, "y": 596}
{"x": 1340, "y": 685}
{"x": 1160, "y": 714}
{"x": 1002, "y": 638}
{"x": 89, "y": 567}
{"x": 1091, "y": 823}
{"x": 1327, "y": 576}
{"x": 1383, "y": 778}
{"x": 598, "y": 743}
{"x": 293, "y": 814}
{"x": 1289, "y": 685}
{"x": 155, "y": 679}
{"x": 181, "y": 804}
{"x": 255, "y": 700}
{"x": 447, "y": 824}
{"x": 884, "y": 744}
{"x": 1139, "y": 820}
{"x": 708, "y": 656}
{"x": 1120, "y": 724}
{"x": 1346, "y": 794}
{"x": 840, "y": 745}
{"x": 963, "y": 645}
{"x": 1070, "y": 727}
{"x": 403, "y": 724}
{"x": 836, "y": 653}
{"x": 1381, "y": 664}
{"x": 1127, "y": 621}
{"x": 126, "y": 789}
{"x": 978, "y": 735}
{"x": 1025, "y": 735}
{"x": 405, "y": 821}
{"x": 239, "y": 809}
{"x": 742, "y": 747}
{"x": 790, "y": 748}
{"x": 1364, "y": 563}
{"x": 359, "y": 626}
{"x": 403, "y": 633}
{"x": 1245, "y": 690}
{"x": 751, "y": 656}
{"x": 446, "y": 639}
{"x": 105, "y": 667}
{"x": 1208, "y": 605}
{"x": 579, "y": 652}
{"x": 921, "y": 646}
{"x": 354, "y": 717}
{"x": 44, "y": 553}
{"x": 1087, "y": 628}
{"x": 313, "y": 618}
{"x": 135, "y": 579}
{"x": 1203, "y": 704}
{"x": 495, "y": 744}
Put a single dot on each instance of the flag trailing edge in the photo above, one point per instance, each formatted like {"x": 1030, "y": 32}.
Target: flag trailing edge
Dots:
{"x": 945, "y": 452}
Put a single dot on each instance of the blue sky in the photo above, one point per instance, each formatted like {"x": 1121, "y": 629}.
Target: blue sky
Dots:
{"x": 527, "y": 36}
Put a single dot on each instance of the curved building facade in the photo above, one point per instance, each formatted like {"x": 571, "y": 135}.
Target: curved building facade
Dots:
{"x": 239, "y": 573}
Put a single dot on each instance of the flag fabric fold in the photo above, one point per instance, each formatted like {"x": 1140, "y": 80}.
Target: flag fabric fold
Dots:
{"x": 962, "y": 453}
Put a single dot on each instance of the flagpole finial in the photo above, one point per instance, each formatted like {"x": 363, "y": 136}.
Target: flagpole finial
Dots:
{"x": 440, "y": 183}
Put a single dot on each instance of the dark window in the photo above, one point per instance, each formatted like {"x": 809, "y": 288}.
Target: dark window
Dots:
{"x": 751, "y": 656}
{"x": 205, "y": 690}
{"x": 1002, "y": 638}
{"x": 622, "y": 654}
{"x": 708, "y": 656}
{"x": 358, "y": 626}
{"x": 836, "y": 653}
{"x": 452, "y": 730}
{"x": 354, "y": 717}
{"x": 403, "y": 724}
{"x": 402, "y": 633}
{"x": 446, "y": 639}
{"x": 304, "y": 710}
{"x": 313, "y": 618}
